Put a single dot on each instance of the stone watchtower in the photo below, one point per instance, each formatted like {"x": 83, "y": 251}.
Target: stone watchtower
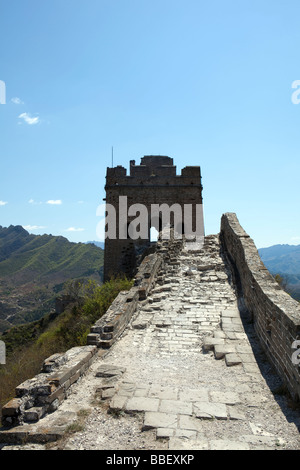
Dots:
{"x": 154, "y": 181}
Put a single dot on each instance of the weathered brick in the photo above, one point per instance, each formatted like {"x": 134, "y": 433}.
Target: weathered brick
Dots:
{"x": 12, "y": 408}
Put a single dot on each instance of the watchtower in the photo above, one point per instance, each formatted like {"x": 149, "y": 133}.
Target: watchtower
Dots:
{"x": 153, "y": 182}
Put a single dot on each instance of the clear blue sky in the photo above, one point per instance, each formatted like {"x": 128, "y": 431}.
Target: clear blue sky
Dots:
{"x": 206, "y": 83}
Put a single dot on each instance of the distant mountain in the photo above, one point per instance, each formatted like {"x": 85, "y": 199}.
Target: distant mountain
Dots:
{"x": 34, "y": 268}
{"x": 98, "y": 244}
{"x": 284, "y": 260}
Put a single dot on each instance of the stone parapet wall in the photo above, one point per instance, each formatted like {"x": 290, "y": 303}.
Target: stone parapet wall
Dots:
{"x": 105, "y": 332}
{"x": 44, "y": 393}
{"x": 275, "y": 314}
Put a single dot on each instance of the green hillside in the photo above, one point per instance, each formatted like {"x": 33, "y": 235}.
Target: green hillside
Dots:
{"x": 33, "y": 269}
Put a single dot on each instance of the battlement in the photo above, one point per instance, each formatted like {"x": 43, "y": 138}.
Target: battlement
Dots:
{"x": 153, "y": 170}
{"x": 156, "y": 160}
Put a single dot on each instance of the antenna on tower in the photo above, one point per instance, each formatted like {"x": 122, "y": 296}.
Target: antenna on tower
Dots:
{"x": 112, "y": 157}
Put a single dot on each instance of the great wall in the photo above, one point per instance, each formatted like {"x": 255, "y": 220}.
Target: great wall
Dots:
{"x": 197, "y": 355}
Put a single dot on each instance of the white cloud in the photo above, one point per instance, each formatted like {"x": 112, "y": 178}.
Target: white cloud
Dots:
{"x": 32, "y": 201}
{"x": 17, "y": 100}
{"x": 73, "y": 229}
{"x": 28, "y": 119}
{"x": 3, "y": 203}
{"x": 33, "y": 227}
{"x": 53, "y": 202}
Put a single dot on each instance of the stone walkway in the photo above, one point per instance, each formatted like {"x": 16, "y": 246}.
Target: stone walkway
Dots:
{"x": 188, "y": 371}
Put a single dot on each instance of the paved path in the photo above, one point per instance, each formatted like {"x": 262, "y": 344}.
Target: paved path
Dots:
{"x": 188, "y": 373}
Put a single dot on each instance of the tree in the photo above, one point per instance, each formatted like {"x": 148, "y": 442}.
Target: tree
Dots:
{"x": 74, "y": 288}
{"x": 282, "y": 280}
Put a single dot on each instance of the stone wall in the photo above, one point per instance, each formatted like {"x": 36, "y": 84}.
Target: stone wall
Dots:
{"x": 62, "y": 302}
{"x": 275, "y": 314}
{"x": 44, "y": 393}
{"x": 109, "y": 327}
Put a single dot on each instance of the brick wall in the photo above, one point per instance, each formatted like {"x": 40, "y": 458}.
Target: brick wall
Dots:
{"x": 275, "y": 314}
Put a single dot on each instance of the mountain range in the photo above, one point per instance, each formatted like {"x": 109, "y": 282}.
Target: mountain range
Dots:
{"x": 97, "y": 243}
{"x": 284, "y": 260}
{"x": 34, "y": 268}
